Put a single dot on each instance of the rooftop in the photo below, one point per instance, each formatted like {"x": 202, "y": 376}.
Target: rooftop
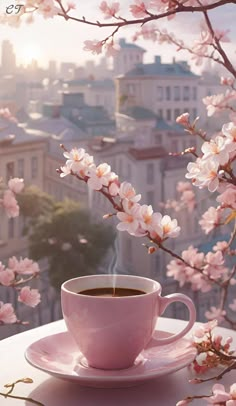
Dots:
{"x": 96, "y": 84}
{"x": 123, "y": 44}
{"x": 158, "y": 68}
{"x": 147, "y": 153}
{"x": 139, "y": 113}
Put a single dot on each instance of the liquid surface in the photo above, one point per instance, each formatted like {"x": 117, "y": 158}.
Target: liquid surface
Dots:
{"x": 112, "y": 292}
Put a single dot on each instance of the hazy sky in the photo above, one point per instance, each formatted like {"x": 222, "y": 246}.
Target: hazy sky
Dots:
{"x": 59, "y": 40}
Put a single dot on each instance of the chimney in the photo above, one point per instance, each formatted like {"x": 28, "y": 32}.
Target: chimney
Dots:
{"x": 157, "y": 60}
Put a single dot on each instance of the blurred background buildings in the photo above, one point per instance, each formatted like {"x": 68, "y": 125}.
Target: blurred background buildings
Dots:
{"x": 124, "y": 114}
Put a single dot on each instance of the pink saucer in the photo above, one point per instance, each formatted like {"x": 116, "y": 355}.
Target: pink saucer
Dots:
{"x": 58, "y": 355}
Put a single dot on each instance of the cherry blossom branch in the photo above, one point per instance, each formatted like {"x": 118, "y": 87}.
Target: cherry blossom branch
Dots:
{"x": 179, "y": 9}
{"x": 11, "y": 387}
{"x": 219, "y": 48}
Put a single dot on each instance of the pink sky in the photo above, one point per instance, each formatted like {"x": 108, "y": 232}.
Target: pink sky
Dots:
{"x": 63, "y": 41}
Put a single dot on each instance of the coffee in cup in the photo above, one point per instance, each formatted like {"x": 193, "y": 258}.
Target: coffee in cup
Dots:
{"x": 111, "y": 331}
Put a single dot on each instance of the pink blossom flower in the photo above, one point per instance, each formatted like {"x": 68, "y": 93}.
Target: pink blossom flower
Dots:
{"x": 204, "y": 329}
{"x": 23, "y": 266}
{"x": 79, "y": 162}
{"x": 155, "y": 227}
{"x": 215, "y": 313}
{"x": 232, "y": 391}
{"x": 74, "y": 156}
{"x": 214, "y": 265}
{"x": 228, "y": 197}
{"x": 218, "y": 102}
{"x": 218, "y": 149}
{"x": 30, "y": 297}
{"x": 226, "y": 81}
{"x": 219, "y": 395}
{"x": 231, "y": 402}
{"x": 129, "y": 219}
{"x": 221, "y": 246}
{"x": 94, "y": 46}
{"x": 71, "y": 5}
{"x": 113, "y": 184}
{"x": 10, "y": 204}
{"x": 16, "y": 185}
{"x": 99, "y": 177}
{"x": 229, "y": 130}
{"x": 204, "y": 173}
{"x": 148, "y": 32}
{"x": 7, "y": 314}
{"x": 6, "y": 277}
{"x": 138, "y": 9}
{"x": 128, "y": 192}
{"x": 188, "y": 198}
{"x": 109, "y": 11}
{"x": 170, "y": 227}
{"x": 183, "y": 186}
{"x": 65, "y": 170}
{"x": 183, "y": 402}
{"x": 48, "y": 9}
{"x": 112, "y": 48}
{"x": 183, "y": 119}
{"x": 210, "y": 219}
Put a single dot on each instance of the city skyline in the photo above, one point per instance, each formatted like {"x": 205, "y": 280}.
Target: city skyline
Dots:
{"x": 55, "y": 39}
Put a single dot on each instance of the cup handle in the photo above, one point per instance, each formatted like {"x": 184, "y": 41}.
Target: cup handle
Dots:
{"x": 177, "y": 297}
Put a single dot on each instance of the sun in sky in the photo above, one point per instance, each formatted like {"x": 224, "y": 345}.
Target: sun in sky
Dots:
{"x": 29, "y": 52}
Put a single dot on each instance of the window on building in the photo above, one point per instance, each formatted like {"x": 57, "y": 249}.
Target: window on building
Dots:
{"x": 159, "y": 93}
{"x": 97, "y": 99}
{"x": 194, "y": 113}
{"x": 131, "y": 89}
{"x": 186, "y": 93}
{"x": 174, "y": 146}
{"x": 21, "y": 226}
{"x": 194, "y": 93}
{"x": 129, "y": 171}
{"x": 177, "y": 113}
{"x": 150, "y": 197}
{"x": 168, "y": 114}
{"x": 21, "y": 168}
{"x": 156, "y": 271}
{"x": 10, "y": 170}
{"x": 120, "y": 167}
{"x": 137, "y": 58}
{"x": 11, "y": 228}
{"x": 150, "y": 173}
{"x": 34, "y": 167}
{"x": 176, "y": 93}
{"x": 160, "y": 113}
{"x": 168, "y": 93}
{"x": 158, "y": 139}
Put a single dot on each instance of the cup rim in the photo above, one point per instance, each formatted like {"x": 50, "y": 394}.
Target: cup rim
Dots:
{"x": 157, "y": 290}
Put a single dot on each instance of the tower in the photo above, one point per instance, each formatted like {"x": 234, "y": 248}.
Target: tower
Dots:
{"x": 8, "y": 58}
{"x": 127, "y": 57}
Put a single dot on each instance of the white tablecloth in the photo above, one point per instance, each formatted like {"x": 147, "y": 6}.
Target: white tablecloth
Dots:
{"x": 162, "y": 391}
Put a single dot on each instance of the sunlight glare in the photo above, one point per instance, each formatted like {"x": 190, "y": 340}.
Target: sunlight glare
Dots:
{"x": 29, "y": 53}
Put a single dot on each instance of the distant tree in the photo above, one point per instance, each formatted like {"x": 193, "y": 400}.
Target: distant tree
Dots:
{"x": 62, "y": 232}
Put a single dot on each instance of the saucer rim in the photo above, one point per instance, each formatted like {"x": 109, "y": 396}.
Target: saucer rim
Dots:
{"x": 110, "y": 379}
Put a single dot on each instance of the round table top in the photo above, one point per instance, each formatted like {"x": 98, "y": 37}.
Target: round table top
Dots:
{"x": 50, "y": 391}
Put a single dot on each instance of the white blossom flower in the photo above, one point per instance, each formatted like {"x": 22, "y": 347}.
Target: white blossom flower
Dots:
{"x": 99, "y": 177}
{"x": 128, "y": 192}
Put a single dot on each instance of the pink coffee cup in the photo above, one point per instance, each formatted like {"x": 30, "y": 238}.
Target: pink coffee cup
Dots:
{"x": 112, "y": 331}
